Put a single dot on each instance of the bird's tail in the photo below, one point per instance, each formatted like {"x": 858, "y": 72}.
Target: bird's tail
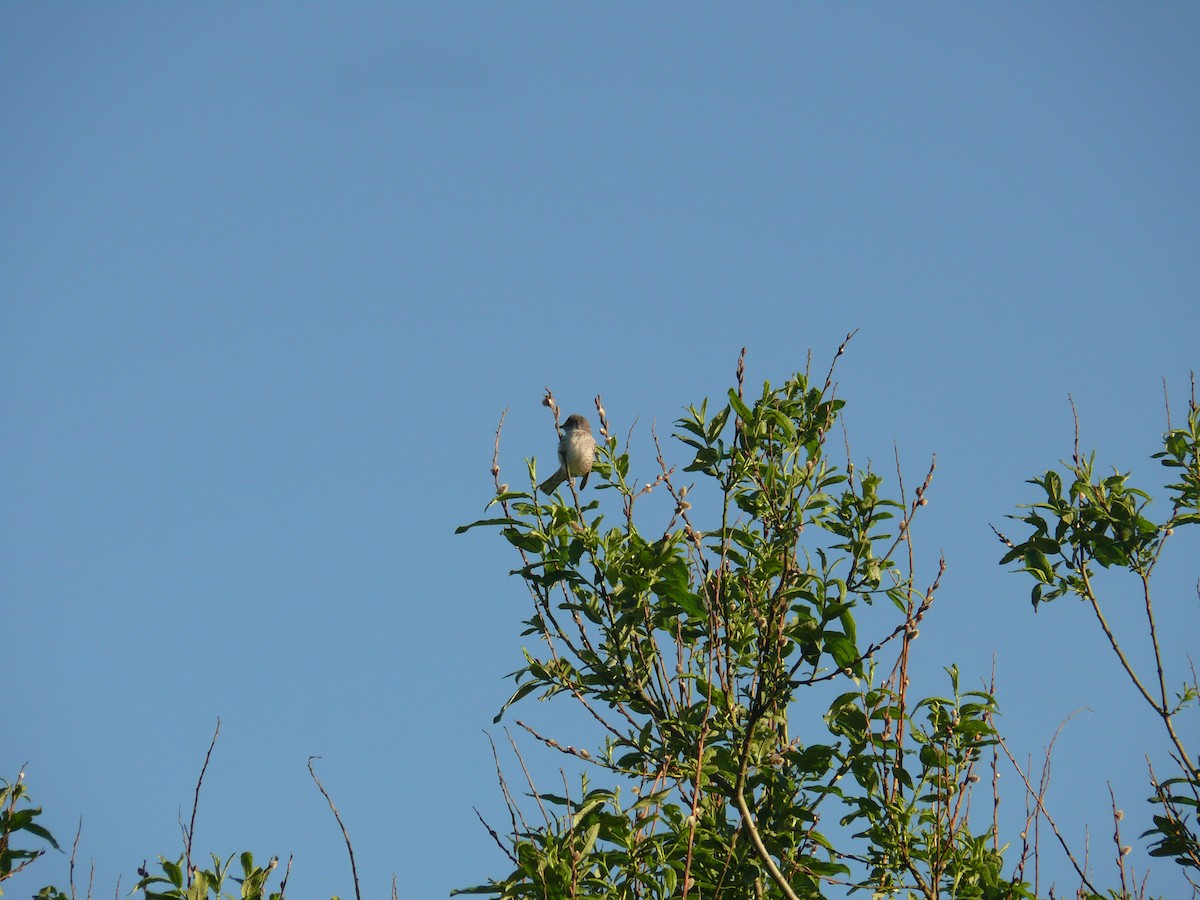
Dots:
{"x": 550, "y": 485}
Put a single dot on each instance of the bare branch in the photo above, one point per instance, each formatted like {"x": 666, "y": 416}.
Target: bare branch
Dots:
{"x": 341, "y": 825}
{"x": 1039, "y": 799}
{"x": 71, "y": 870}
{"x": 191, "y": 831}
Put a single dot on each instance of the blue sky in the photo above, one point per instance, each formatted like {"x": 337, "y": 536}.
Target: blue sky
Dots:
{"x": 271, "y": 272}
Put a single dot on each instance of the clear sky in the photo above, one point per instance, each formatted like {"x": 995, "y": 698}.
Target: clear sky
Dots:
{"x": 270, "y": 273}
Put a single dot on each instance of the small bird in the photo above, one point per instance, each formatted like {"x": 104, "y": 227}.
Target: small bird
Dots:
{"x": 576, "y": 452}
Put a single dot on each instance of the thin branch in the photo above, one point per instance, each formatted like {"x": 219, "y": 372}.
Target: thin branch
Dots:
{"x": 513, "y": 809}
{"x": 1166, "y": 402}
{"x": 337, "y": 816}
{"x": 696, "y": 794}
{"x": 495, "y": 837}
{"x": 1164, "y": 710}
{"x": 1117, "y": 816}
{"x": 832, "y": 363}
{"x": 739, "y": 798}
{"x": 71, "y": 870}
{"x": 529, "y": 779}
{"x": 1075, "y": 416}
{"x": 1112, "y": 639}
{"x": 286, "y": 873}
{"x": 1038, "y": 799}
{"x": 577, "y": 752}
{"x": 760, "y": 848}
{"x": 191, "y": 832}
{"x": 500, "y": 488}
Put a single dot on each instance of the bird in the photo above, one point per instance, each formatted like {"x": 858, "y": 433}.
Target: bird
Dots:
{"x": 576, "y": 452}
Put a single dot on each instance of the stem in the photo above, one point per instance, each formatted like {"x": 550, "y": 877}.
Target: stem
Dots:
{"x": 1163, "y": 710}
{"x": 756, "y": 840}
{"x": 1159, "y": 707}
{"x": 196, "y": 802}
{"x": 1037, "y": 798}
{"x": 1112, "y": 640}
{"x": 341, "y": 825}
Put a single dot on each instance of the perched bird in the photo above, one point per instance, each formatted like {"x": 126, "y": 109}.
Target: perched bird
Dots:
{"x": 576, "y": 452}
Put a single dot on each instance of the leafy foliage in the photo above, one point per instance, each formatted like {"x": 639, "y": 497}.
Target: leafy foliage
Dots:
{"x": 697, "y": 649}
{"x": 13, "y": 821}
{"x": 176, "y": 883}
{"x": 1102, "y": 521}
{"x": 748, "y": 671}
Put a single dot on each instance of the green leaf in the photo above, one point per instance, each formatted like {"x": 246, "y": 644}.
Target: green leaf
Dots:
{"x": 530, "y": 542}
{"x": 34, "y": 828}
{"x": 461, "y": 528}
{"x": 717, "y": 425}
{"x": 527, "y": 688}
{"x": 842, "y": 649}
{"x": 1053, "y": 485}
{"x": 589, "y": 839}
{"x": 739, "y": 407}
{"x": 173, "y": 870}
{"x": 1038, "y": 565}
{"x": 691, "y": 604}
{"x": 199, "y": 888}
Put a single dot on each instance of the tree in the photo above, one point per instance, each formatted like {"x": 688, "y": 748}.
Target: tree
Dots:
{"x": 784, "y": 582}
{"x": 747, "y": 670}
{"x": 1102, "y": 522}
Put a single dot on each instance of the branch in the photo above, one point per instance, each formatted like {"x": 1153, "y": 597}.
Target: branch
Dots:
{"x": 760, "y": 848}
{"x": 1112, "y": 640}
{"x": 196, "y": 802}
{"x": 1037, "y": 796}
{"x": 1164, "y": 710}
{"x": 336, "y": 815}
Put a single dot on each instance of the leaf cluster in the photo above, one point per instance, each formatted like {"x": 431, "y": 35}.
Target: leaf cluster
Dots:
{"x": 1102, "y": 522}
{"x": 174, "y": 883}
{"x": 17, "y": 816}
{"x": 693, "y": 651}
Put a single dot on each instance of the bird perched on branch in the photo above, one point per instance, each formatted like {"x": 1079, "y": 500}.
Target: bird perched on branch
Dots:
{"x": 576, "y": 452}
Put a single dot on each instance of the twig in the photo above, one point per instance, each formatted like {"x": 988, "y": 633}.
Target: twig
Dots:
{"x": 336, "y": 815}
{"x": 695, "y": 817}
{"x": 760, "y": 848}
{"x": 1164, "y": 710}
{"x": 529, "y": 779}
{"x": 286, "y": 873}
{"x": 833, "y": 362}
{"x": 196, "y": 802}
{"x": 71, "y": 870}
{"x": 1117, "y": 816}
{"x": 1038, "y": 799}
{"x": 496, "y": 455}
{"x": 1075, "y": 416}
{"x": 990, "y": 717}
{"x": 739, "y": 799}
{"x": 577, "y": 752}
{"x": 1090, "y": 596}
{"x": 549, "y": 402}
{"x": 495, "y": 837}
{"x": 603, "y": 416}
